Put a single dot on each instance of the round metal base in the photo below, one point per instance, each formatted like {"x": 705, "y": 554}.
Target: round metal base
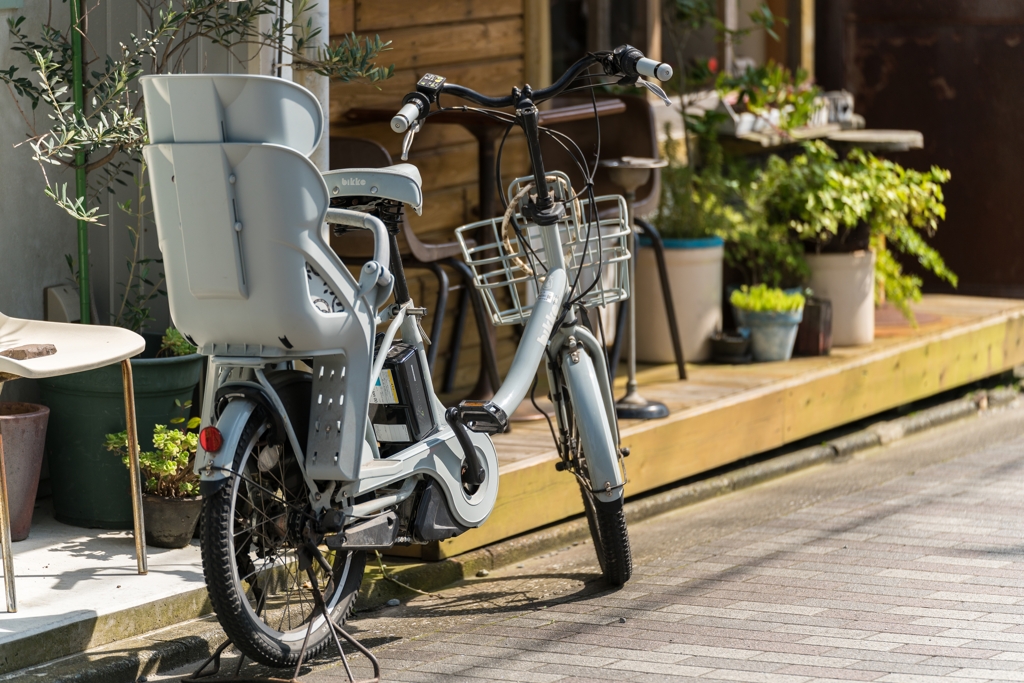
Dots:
{"x": 630, "y": 408}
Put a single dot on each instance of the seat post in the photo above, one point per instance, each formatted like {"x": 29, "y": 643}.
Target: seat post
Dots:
{"x": 391, "y": 215}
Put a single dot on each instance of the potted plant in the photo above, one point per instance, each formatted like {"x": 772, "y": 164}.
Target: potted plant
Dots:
{"x": 847, "y": 214}
{"x": 23, "y": 426}
{"x": 772, "y": 315}
{"x": 89, "y": 487}
{"x": 94, "y": 128}
{"x": 693, "y": 214}
{"x": 170, "y": 500}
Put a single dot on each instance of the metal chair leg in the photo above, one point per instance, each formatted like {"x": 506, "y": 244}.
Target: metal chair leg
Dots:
{"x": 620, "y": 332}
{"x": 439, "y": 310}
{"x": 460, "y": 326}
{"x": 666, "y": 292}
{"x": 488, "y": 352}
{"x": 133, "y": 465}
{"x": 5, "y": 532}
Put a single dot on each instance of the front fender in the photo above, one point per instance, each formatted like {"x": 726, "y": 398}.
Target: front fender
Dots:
{"x": 211, "y": 467}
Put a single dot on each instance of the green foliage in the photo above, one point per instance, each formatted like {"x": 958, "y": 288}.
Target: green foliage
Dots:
{"x": 818, "y": 196}
{"x": 167, "y": 470}
{"x": 812, "y": 194}
{"x": 763, "y": 298}
{"x": 772, "y": 87}
{"x": 696, "y": 202}
{"x": 173, "y": 343}
{"x": 715, "y": 199}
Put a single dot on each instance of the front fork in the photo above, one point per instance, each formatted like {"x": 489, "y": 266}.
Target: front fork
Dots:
{"x": 577, "y": 370}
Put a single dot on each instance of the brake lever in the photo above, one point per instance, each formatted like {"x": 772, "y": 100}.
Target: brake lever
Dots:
{"x": 409, "y": 135}
{"x": 656, "y": 90}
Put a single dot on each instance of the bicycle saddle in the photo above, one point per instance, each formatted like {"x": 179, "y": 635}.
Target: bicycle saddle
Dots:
{"x": 400, "y": 182}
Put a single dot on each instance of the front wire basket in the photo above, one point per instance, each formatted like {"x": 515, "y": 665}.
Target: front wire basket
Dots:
{"x": 509, "y": 271}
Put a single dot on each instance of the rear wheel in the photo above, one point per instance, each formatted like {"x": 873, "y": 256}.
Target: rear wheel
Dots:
{"x": 251, "y": 536}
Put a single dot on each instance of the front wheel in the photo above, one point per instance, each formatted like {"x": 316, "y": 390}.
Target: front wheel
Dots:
{"x": 607, "y": 522}
{"x": 593, "y": 452}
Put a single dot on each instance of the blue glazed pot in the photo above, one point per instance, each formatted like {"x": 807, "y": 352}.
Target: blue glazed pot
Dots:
{"x": 772, "y": 334}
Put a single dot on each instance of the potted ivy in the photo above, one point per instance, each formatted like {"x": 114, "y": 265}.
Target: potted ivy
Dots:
{"x": 93, "y": 127}
{"x": 171, "y": 503}
{"x": 772, "y": 315}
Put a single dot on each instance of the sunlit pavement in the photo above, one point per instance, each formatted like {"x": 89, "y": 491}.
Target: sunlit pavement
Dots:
{"x": 901, "y": 564}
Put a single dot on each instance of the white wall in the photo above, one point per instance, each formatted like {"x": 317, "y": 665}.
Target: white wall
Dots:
{"x": 34, "y": 234}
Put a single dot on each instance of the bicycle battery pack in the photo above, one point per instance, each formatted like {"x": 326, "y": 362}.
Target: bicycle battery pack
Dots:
{"x": 400, "y": 410}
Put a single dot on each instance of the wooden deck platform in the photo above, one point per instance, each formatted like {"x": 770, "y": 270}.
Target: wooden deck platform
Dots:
{"x": 724, "y": 413}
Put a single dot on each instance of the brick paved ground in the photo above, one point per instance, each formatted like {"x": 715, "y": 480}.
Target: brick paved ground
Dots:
{"x": 900, "y": 565}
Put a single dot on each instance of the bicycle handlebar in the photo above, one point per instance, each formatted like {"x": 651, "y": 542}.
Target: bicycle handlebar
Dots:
{"x": 625, "y": 61}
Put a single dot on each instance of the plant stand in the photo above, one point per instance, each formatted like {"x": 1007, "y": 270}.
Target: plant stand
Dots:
{"x": 629, "y": 173}
{"x": 312, "y": 554}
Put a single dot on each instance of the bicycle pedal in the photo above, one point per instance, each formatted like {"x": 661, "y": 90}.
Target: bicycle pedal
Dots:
{"x": 485, "y": 417}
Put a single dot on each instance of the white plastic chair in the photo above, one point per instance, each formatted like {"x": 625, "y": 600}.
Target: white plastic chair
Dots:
{"x": 78, "y": 348}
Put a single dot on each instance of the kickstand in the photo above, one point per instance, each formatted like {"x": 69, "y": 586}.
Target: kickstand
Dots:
{"x": 318, "y": 601}
{"x": 212, "y": 659}
{"x": 336, "y": 630}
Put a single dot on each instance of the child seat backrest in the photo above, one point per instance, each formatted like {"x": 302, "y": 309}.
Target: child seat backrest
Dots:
{"x": 246, "y": 257}
{"x": 231, "y": 108}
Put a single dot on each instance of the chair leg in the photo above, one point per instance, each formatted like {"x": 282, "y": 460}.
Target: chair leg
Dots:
{"x": 460, "y": 326}
{"x": 666, "y": 293}
{"x": 489, "y": 353}
{"x": 620, "y": 332}
{"x": 439, "y": 310}
{"x": 133, "y": 465}
{"x": 5, "y": 532}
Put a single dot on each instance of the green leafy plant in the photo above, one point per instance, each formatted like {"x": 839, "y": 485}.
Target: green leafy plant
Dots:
{"x": 771, "y": 87}
{"x": 762, "y": 298}
{"x": 697, "y": 202}
{"x": 714, "y": 199}
{"x": 173, "y": 343}
{"x": 681, "y": 19}
{"x": 818, "y": 198}
{"x": 93, "y": 104}
{"x": 166, "y": 470}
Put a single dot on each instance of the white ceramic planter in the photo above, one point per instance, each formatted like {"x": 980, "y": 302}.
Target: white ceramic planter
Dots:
{"x": 848, "y": 281}
{"x": 695, "y": 275}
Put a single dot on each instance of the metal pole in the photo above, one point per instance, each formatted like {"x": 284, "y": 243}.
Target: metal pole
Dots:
{"x": 133, "y": 465}
{"x": 5, "y": 530}
{"x": 631, "y": 385}
{"x": 80, "y": 185}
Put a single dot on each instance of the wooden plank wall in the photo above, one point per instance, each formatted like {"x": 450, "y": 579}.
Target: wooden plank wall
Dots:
{"x": 476, "y": 43}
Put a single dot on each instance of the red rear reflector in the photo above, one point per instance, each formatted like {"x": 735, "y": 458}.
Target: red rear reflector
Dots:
{"x": 211, "y": 439}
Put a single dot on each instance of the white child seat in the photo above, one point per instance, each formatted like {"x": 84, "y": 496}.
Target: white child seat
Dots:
{"x": 240, "y": 221}
{"x": 240, "y": 108}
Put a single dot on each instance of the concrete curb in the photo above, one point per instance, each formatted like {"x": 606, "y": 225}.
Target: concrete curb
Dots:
{"x": 128, "y": 660}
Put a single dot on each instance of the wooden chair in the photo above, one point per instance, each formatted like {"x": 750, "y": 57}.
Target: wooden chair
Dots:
{"x": 632, "y": 133}
{"x": 34, "y": 350}
{"x": 355, "y": 246}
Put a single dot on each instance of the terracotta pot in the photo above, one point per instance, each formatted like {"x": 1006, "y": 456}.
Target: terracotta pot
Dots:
{"x": 170, "y": 522}
{"x": 23, "y": 426}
